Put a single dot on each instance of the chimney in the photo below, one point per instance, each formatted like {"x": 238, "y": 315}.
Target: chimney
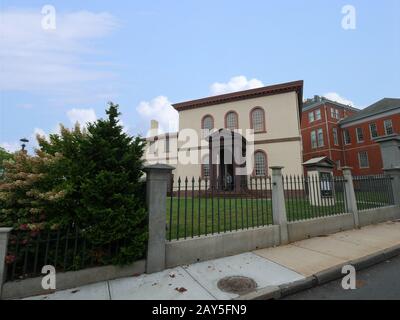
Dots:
{"x": 316, "y": 98}
{"x": 153, "y": 128}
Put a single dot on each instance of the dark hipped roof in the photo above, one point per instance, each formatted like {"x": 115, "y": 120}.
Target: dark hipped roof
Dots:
{"x": 384, "y": 105}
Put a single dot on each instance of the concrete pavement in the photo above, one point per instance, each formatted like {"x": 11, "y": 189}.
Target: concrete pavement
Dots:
{"x": 271, "y": 269}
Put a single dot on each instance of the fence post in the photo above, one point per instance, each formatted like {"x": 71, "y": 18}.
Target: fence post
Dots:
{"x": 390, "y": 151}
{"x": 394, "y": 174}
{"x": 156, "y": 198}
{"x": 4, "y": 233}
{"x": 350, "y": 195}
{"x": 278, "y": 204}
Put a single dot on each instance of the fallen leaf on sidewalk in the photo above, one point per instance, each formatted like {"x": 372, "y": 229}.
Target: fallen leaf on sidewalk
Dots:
{"x": 181, "y": 289}
{"x": 172, "y": 275}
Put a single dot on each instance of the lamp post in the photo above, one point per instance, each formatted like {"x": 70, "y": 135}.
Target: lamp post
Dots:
{"x": 23, "y": 145}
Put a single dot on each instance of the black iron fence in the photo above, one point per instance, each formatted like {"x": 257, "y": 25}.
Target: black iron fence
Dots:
{"x": 373, "y": 191}
{"x": 195, "y": 207}
{"x": 314, "y": 196}
{"x": 65, "y": 249}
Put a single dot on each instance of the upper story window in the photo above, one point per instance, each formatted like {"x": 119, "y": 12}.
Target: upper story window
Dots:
{"x": 335, "y": 113}
{"x": 360, "y": 135}
{"x": 388, "y": 127}
{"x": 373, "y": 130}
{"x": 335, "y": 137}
{"x": 258, "y": 120}
{"x": 231, "y": 120}
{"x": 208, "y": 123}
{"x": 260, "y": 163}
{"x": 318, "y": 114}
{"x": 346, "y": 136}
{"x": 311, "y": 116}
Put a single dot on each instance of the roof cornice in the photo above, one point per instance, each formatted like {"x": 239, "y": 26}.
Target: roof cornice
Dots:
{"x": 296, "y": 86}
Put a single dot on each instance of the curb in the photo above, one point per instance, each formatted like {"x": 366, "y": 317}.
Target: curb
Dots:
{"x": 322, "y": 277}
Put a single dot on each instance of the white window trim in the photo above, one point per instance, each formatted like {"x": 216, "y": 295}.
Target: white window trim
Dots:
{"x": 391, "y": 124}
{"x": 359, "y": 159}
{"x": 344, "y": 137}
{"x": 335, "y": 141}
{"x": 370, "y": 130}
{"x": 358, "y": 140}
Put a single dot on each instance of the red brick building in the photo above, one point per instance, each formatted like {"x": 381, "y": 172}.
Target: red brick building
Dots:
{"x": 345, "y": 134}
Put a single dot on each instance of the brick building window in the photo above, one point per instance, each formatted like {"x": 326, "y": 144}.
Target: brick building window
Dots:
{"x": 360, "y": 135}
{"x": 231, "y": 121}
{"x": 388, "y": 127}
{"x": 346, "y": 136}
{"x": 373, "y": 130}
{"x": 311, "y": 116}
{"x": 335, "y": 137}
{"x": 320, "y": 135}
{"x": 363, "y": 159}
{"x": 318, "y": 114}
{"x": 314, "y": 139}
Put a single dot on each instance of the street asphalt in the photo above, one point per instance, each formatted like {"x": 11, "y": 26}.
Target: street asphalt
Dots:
{"x": 379, "y": 282}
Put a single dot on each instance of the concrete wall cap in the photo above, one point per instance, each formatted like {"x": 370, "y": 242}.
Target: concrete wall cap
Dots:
{"x": 276, "y": 167}
{"x": 5, "y": 230}
{"x": 158, "y": 166}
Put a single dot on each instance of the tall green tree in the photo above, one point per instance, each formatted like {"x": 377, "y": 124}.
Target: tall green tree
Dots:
{"x": 112, "y": 199}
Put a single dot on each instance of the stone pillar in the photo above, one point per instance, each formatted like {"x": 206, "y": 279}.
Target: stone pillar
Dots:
{"x": 4, "y": 233}
{"x": 390, "y": 150}
{"x": 156, "y": 197}
{"x": 351, "y": 202}
{"x": 278, "y": 204}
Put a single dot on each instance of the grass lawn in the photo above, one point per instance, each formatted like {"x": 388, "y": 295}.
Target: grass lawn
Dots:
{"x": 219, "y": 215}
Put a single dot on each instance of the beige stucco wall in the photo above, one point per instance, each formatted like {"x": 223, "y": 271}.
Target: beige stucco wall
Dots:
{"x": 281, "y": 118}
{"x": 282, "y": 122}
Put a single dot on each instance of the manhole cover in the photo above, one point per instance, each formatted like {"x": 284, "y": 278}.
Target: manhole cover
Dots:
{"x": 237, "y": 284}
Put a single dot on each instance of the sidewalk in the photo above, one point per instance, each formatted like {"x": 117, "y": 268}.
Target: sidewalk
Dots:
{"x": 292, "y": 267}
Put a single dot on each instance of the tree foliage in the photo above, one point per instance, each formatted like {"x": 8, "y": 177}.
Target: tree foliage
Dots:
{"x": 87, "y": 178}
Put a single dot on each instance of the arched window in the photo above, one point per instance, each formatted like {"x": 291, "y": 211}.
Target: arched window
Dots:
{"x": 207, "y": 122}
{"x": 260, "y": 164}
{"x": 257, "y": 118}
{"x": 231, "y": 120}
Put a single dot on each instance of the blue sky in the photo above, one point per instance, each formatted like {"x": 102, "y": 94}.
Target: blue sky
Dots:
{"x": 146, "y": 55}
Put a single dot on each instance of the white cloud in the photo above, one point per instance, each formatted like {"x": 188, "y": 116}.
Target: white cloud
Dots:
{"x": 238, "y": 83}
{"x": 336, "y": 97}
{"x": 82, "y": 116}
{"x": 160, "y": 109}
{"x": 52, "y": 62}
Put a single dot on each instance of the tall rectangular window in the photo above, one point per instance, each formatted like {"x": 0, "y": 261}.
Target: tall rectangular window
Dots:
{"x": 360, "y": 135}
{"x": 337, "y": 114}
{"x": 346, "y": 136}
{"x": 314, "y": 139}
{"x": 335, "y": 137}
{"x": 318, "y": 114}
{"x": 373, "y": 130}
{"x": 311, "y": 116}
{"x": 363, "y": 159}
{"x": 332, "y": 113}
{"x": 388, "y": 127}
{"x": 320, "y": 135}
